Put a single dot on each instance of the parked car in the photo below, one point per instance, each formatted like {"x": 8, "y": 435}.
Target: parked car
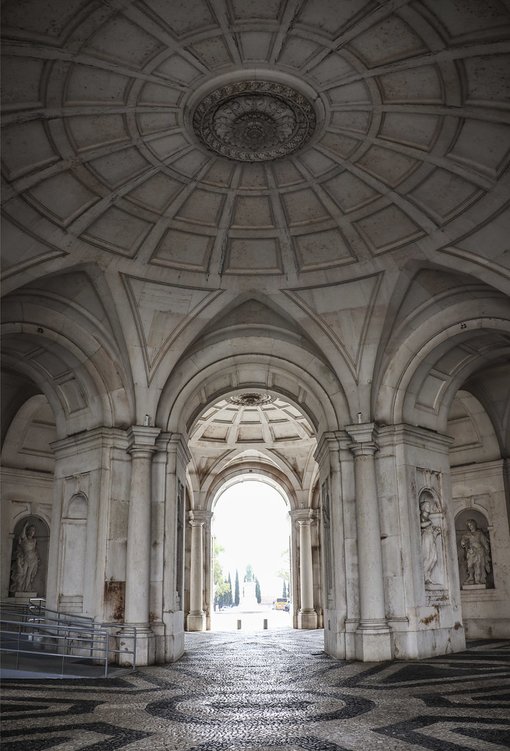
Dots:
{"x": 282, "y": 603}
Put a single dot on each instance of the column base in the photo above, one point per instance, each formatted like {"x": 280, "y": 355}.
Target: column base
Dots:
{"x": 145, "y": 647}
{"x": 423, "y": 643}
{"x": 373, "y": 642}
{"x": 307, "y": 619}
{"x": 195, "y": 621}
{"x": 339, "y": 635}
{"x": 171, "y": 643}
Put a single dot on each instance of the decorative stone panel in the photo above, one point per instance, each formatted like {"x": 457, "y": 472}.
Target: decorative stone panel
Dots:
{"x": 254, "y": 121}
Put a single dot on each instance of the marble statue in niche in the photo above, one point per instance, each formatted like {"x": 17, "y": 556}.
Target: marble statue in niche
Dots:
{"x": 431, "y": 542}
{"x": 26, "y": 560}
{"x": 475, "y": 546}
{"x": 29, "y": 557}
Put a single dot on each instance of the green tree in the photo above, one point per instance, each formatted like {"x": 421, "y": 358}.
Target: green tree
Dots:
{"x": 236, "y": 589}
{"x": 220, "y": 582}
{"x": 284, "y": 572}
{"x": 258, "y": 593}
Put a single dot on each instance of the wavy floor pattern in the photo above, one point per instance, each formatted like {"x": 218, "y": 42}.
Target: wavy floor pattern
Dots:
{"x": 271, "y": 690}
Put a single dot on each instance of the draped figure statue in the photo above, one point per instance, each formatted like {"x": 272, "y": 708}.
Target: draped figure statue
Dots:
{"x": 26, "y": 560}
{"x": 429, "y": 534}
{"x": 475, "y": 545}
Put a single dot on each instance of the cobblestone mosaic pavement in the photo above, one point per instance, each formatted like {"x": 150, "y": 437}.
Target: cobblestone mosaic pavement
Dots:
{"x": 271, "y": 691}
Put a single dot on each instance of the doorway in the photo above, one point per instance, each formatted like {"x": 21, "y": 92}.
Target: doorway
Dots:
{"x": 251, "y": 557}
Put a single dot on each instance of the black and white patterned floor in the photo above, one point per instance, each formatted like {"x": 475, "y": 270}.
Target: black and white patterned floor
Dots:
{"x": 271, "y": 691}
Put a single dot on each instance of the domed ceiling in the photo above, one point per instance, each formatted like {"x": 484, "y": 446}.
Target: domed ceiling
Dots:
{"x": 253, "y": 427}
{"x": 278, "y": 142}
{"x": 245, "y": 420}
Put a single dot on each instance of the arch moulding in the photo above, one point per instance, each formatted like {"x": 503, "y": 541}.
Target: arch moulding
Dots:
{"x": 314, "y": 390}
{"x": 418, "y": 353}
{"x": 250, "y": 471}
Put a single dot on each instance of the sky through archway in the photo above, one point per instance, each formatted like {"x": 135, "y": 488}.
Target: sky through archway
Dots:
{"x": 251, "y": 523}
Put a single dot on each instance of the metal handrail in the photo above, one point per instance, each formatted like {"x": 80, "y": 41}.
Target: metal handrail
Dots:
{"x": 58, "y": 615}
{"x": 73, "y": 635}
{"x": 69, "y": 642}
{"x": 36, "y": 606}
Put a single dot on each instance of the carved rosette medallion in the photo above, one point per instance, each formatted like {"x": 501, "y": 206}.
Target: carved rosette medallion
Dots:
{"x": 251, "y": 399}
{"x": 254, "y": 121}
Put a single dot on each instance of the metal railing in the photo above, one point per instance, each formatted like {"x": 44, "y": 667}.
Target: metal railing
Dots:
{"x": 45, "y": 639}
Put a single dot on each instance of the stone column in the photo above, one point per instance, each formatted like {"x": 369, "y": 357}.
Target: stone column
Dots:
{"x": 307, "y": 617}
{"x": 170, "y": 477}
{"x": 141, "y": 447}
{"x": 373, "y": 642}
{"x": 196, "y": 617}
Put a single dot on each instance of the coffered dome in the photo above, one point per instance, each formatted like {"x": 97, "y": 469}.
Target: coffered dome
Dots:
{"x": 270, "y": 143}
{"x": 245, "y": 419}
{"x": 253, "y": 427}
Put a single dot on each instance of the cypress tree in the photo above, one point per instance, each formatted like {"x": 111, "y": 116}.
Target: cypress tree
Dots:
{"x": 229, "y": 601}
{"x": 258, "y": 594}
{"x": 236, "y": 589}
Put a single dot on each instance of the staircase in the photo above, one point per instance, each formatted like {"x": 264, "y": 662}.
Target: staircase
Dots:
{"x": 37, "y": 642}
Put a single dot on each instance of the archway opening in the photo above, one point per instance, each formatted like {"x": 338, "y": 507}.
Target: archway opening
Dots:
{"x": 253, "y": 435}
{"x": 251, "y": 554}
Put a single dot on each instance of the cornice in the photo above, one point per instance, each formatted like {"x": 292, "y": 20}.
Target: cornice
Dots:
{"x": 90, "y": 440}
{"x": 412, "y": 435}
{"x": 495, "y": 467}
{"x": 30, "y": 475}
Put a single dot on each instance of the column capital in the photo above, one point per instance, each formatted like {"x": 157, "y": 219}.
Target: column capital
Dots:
{"x": 198, "y": 517}
{"x": 304, "y": 515}
{"x": 363, "y": 437}
{"x": 142, "y": 438}
{"x": 331, "y": 441}
{"x": 304, "y": 522}
{"x": 175, "y": 443}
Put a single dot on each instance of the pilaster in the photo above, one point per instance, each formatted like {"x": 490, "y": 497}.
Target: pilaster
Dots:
{"x": 339, "y": 573}
{"x": 373, "y": 643}
{"x": 141, "y": 447}
{"x": 413, "y": 464}
{"x": 169, "y": 465}
{"x": 83, "y": 464}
